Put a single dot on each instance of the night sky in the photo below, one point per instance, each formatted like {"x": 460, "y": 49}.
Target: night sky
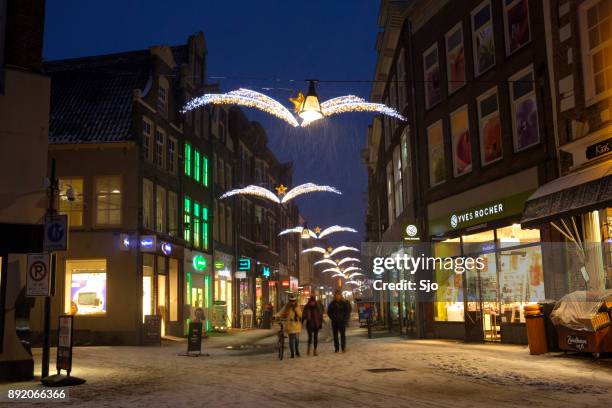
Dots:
{"x": 268, "y": 46}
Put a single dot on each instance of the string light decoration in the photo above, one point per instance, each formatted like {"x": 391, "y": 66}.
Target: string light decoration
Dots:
{"x": 352, "y": 275}
{"x": 351, "y": 268}
{"x": 329, "y": 252}
{"x": 317, "y": 233}
{"x": 343, "y": 248}
{"x": 325, "y": 261}
{"x": 282, "y": 196}
{"x": 337, "y": 270}
{"x": 348, "y": 259}
{"x": 247, "y": 98}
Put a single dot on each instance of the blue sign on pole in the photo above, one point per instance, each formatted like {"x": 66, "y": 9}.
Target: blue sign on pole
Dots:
{"x": 244, "y": 264}
{"x": 56, "y": 233}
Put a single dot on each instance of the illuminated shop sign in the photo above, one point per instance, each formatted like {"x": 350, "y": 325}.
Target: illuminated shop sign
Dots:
{"x": 124, "y": 242}
{"x": 166, "y": 248}
{"x": 244, "y": 264}
{"x": 411, "y": 233}
{"x": 240, "y": 275}
{"x": 219, "y": 264}
{"x": 285, "y": 284}
{"x": 199, "y": 263}
{"x": 147, "y": 243}
{"x": 265, "y": 271}
{"x": 599, "y": 149}
{"x": 224, "y": 273}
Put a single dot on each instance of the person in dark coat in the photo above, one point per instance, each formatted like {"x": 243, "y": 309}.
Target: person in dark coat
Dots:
{"x": 339, "y": 312}
{"x": 313, "y": 317}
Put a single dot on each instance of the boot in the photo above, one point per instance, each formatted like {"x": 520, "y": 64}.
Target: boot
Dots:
{"x": 314, "y": 353}
{"x": 308, "y": 350}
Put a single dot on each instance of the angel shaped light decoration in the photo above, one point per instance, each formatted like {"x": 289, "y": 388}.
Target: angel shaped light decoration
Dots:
{"x": 282, "y": 196}
{"x": 329, "y": 251}
{"x": 308, "y": 107}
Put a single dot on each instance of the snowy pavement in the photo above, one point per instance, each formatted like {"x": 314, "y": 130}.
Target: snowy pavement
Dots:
{"x": 428, "y": 373}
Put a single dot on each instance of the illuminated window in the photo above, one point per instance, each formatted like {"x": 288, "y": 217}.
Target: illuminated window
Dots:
{"x": 196, "y": 224}
{"x": 205, "y": 226}
{"x": 516, "y": 24}
{"x": 71, "y": 200}
{"x": 85, "y": 291}
{"x": 160, "y": 209}
{"x": 489, "y": 125}
{"x": 187, "y": 159}
{"x": 196, "y": 165}
{"x": 205, "y": 170}
{"x": 147, "y": 204}
{"x": 187, "y": 219}
{"x": 172, "y": 213}
{"x": 460, "y": 137}
{"x": 172, "y": 158}
{"x": 435, "y": 146}
{"x": 147, "y": 135}
{"x": 108, "y": 200}
{"x": 397, "y": 182}
{"x": 390, "y": 202}
{"x": 596, "y": 37}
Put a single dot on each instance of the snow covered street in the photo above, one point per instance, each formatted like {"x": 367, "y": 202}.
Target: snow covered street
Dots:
{"x": 425, "y": 373}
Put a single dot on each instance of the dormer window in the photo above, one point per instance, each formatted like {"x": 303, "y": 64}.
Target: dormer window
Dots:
{"x": 162, "y": 96}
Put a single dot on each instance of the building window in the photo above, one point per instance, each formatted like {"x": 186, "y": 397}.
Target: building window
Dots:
{"x": 489, "y": 126}
{"x": 162, "y": 96}
{"x": 205, "y": 227}
{"x": 216, "y": 220}
{"x": 390, "y": 201}
{"x": 147, "y": 137}
{"x": 197, "y": 126}
{"x": 431, "y": 70}
{"x": 187, "y": 219}
{"x": 221, "y": 173}
{"x": 524, "y": 110}
{"x": 197, "y": 170}
{"x": 406, "y": 164}
{"x": 160, "y": 209}
{"x": 108, "y": 200}
{"x": 172, "y": 213}
{"x": 71, "y": 200}
{"x": 401, "y": 77}
{"x": 397, "y": 181}
{"x": 222, "y": 123}
{"x": 516, "y": 23}
{"x": 187, "y": 159}
{"x": 205, "y": 170}
{"x": 85, "y": 291}
{"x": 462, "y": 146}
{"x": 229, "y": 225}
{"x": 196, "y": 225}
{"x": 228, "y": 176}
{"x": 435, "y": 145}
{"x": 596, "y": 40}
{"x": 147, "y": 204}
{"x": 482, "y": 38}
{"x": 455, "y": 58}
{"x": 160, "y": 143}
{"x": 172, "y": 158}
{"x": 221, "y": 217}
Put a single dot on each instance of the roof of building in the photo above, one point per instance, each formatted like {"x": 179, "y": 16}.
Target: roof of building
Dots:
{"x": 92, "y": 97}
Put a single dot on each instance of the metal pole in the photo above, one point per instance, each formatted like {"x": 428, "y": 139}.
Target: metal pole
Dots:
{"x": 47, "y": 308}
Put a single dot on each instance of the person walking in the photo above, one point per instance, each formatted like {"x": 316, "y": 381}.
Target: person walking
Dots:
{"x": 339, "y": 312}
{"x": 313, "y": 316}
{"x": 293, "y": 314}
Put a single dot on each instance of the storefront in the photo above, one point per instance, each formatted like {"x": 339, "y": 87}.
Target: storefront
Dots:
{"x": 198, "y": 288}
{"x": 485, "y": 304}
{"x": 223, "y": 291}
{"x": 245, "y": 282}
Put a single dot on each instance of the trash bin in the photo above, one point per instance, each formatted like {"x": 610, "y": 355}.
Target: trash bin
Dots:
{"x": 551, "y": 331}
{"x": 536, "y": 331}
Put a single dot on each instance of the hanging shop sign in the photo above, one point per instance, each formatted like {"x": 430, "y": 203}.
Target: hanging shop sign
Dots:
{"x": 599, "y": 149}
{"x": 219, "y": 264}
{"x": 194, "y": 338}
{"x": 285, "y": 283}
{"x": 480, "y": 214}
{"x": 124, "y": 242}
{"x": 224, "y": 273}
{"x": 244, "y": 264}
{"x": 64, "y": 344}
{"x": 148, "y": 243}
{"x": 152, "y": 329}
{"x": 166, "y": 248}
{"x": 199, "y": 263}
{"x": 240, "y": 275}
{"x": 411, "y": 232}
{"x": 265, "y": 271}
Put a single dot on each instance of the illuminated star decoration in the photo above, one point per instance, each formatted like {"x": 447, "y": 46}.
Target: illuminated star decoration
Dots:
{"x": 282, "y": 195}
{"x": 297, "y": 102}
{"x": 318, "y": 233}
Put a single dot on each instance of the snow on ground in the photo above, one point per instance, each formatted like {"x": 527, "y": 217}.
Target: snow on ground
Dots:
{"x": 435, "y": 373}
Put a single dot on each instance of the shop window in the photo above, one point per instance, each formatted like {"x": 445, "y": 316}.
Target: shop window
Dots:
{"x": 435, "y": 145}
{"x": 390, "y": 200}
{"x": 401, "y": 77}
{"x": 147, "y": 204}
{"x": 162, "y": 96}
{"x": 196, "y": 225}
{"x": 148, "y": 265}
{"x": 431, "y": 71}
{"x": 188, "y": 159}
{"x": 455, "y": 58}
{"x": 483, "y": 42}
{"x": 524, "y": 110}
{"x": 449, "y": 296}
{"x": 147, "y": 136}
{"x": 514, "y": 235}
{"x": 397, "y": 182}
{"x": 462, "y": 146}
{"x": 205, "y": 227}
{"x": 160, "y": 148}
{"x": 172, "y": 213}
{"x": 172, "y": 159}
{"x": 489, "y": 126}
{"x": 108, "y": 200}
{"x": 516, "y": 23}
{"x": 173, "y": 288}
{"x": 160, "y": 209}
{"x": 85, "y": 293}
{"x": 596, "y": 37}
{"x": 71, "y": 200}
{"x": 187, "y": 219}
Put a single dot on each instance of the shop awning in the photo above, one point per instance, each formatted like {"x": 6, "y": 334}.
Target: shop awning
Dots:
{"x": 579, "y": 192}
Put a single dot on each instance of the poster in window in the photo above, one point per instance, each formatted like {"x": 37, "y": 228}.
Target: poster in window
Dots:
{"x": 491, "y": 139}
{"x": 432, "y": 78}
{"x": 484, "y": 46}
{"x": 526, "y": 123}
{"x": 456, "y": 60}
{"x": 517, "y": 17}
{"x": 435, "y": 140}
{"x": 88, "y": 293}
{"x": 462, "y": 147}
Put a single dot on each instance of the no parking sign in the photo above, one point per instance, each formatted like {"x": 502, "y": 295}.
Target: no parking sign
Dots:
{"x": 38, "y": 276}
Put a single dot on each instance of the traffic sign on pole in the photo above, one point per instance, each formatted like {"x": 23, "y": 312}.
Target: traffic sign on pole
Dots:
{"x": 56, "y": 233}
{"x": 38, "y": 277}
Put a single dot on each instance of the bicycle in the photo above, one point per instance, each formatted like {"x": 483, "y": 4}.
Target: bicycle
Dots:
{"x": 280, "y": 345}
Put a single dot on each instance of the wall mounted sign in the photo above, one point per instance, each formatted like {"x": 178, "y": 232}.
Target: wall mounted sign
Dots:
{"x": 240, "y": 275}
{"x": 265, "y": 271}
{"x": 244, "y": 264}
{"x": 199, "y": 263}
{"x": 599, "y": 149}
{"x": 166, "y": 248}
{"x": 124, "y": 242}
{"x": 411, "y": 233}
{"x": 148, "y": 243}
{"x": 285, "y": 284}
{"x": 224, "y": 273}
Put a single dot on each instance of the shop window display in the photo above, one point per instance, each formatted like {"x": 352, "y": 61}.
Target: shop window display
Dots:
{"x": 86, "y": 291}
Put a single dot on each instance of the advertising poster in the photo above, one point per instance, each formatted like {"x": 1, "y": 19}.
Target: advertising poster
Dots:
{"x": 490, "y": 130}
{"x": 526, "y": 123}
{"x": 517, "y": 15}
{"x": 435, "y": 142}
{"x": 432, "y": 77}
{"x": 456, "y": 60}
{"x": 484, "y": 46}
{"x": 219, "y": 314}
{"x": 88, "y": 293}
{"x": 462, "y": 147}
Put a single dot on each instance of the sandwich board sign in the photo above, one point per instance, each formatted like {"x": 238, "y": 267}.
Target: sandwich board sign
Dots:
{"x": 56, "y": 233}
{"x": 38, "y": 276}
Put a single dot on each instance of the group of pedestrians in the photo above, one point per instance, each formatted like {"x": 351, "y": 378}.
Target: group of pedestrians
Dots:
{"x": 311, "y": 315}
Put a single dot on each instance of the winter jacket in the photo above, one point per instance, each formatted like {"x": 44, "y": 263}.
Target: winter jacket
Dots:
{"x": 313, "y": 316}
{"x": 293, "y": 314}
{"x": 339, "y": 311}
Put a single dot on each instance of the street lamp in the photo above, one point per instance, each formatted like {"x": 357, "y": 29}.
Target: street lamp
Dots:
{"x": 311, "y": 107}
{"x": 305, "y": 233}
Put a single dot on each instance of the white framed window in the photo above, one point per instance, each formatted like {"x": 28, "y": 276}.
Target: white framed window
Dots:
{"x": 147, "y": 136}
{"x": 397, "y": 181}
{"x": 596, "y": 40}
{"x": 147, "y": 204}
{"x": 431, "y": 74}
{"x": 390, "y": 199}
{"x": 85, "y": 288}
{"x": 406, "y": 164}
{"x": 516, "y": 24}
{"x": 455, "y": 58}
{"x": 108, "y": 200}
{"x": 483, "y": 42}
{"x": 71, "y": 204}
{"x": 436, "y": 155}
{"x": 221, "y": 172}
{"x": 172, "y": 155}
{"x": 160, "y": 148}
{"x": 162, "y": 96}
{"x": 460, "y": 137}
{"x": 489, "y": 127}
{"x": 402, "y": 83}
{"x": 525, "y": 124}
{"x": 172, "y": 213}
{"x": 160, "y": 209}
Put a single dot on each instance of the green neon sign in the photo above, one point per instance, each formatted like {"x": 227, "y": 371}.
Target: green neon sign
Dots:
{"x": 219, "y": 264}
{"x": 199, "y": 263}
